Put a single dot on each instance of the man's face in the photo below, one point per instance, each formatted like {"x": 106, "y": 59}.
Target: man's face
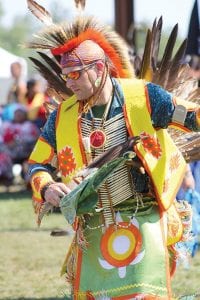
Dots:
{"x": 81, "y": 81}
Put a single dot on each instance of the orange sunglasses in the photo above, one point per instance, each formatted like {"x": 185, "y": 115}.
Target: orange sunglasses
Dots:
{"x": 75, "y": 74}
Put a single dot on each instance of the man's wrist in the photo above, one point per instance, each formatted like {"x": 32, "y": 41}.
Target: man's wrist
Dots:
{"x": 44, "y": 188}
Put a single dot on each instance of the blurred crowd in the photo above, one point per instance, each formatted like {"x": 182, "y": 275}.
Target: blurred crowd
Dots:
{"x": 21, "y": 119}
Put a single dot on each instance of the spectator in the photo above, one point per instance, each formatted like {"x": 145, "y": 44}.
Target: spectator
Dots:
{"x": 6, "y": 175}
{"x": 35, "y": 99}
{"x": 18, "y": 138}
{"x": 195, "y": 168}
{"x": 17, "y": 91}
{"x": 189, "y": 193}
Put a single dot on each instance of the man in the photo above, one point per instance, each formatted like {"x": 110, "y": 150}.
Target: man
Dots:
{"x": 121, "y": 250}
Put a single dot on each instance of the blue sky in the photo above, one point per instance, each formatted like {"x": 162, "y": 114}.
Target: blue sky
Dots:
{"x": 173, "y": 11}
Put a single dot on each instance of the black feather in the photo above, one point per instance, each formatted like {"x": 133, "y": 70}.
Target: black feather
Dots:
{"x": 145, "y": 64}
{"x": 137, "y": 65}
{"x": 177, "y": 61}
{"x": 51, "y": 62}
{"x": 114, "y": 152}
{"x": 156, "y": 35}
{"x": 166, "y": 59}
{"x": 53, "y": 80}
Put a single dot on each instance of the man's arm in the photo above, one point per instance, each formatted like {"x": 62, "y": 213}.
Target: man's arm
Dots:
{"x": 43, "y": 166}
{"x": 163, "y": 106}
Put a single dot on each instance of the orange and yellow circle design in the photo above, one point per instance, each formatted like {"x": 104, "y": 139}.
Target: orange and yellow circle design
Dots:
{"x": 120, "y": 246}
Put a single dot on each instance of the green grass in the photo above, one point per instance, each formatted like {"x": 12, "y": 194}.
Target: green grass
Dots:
{"x": 30, "y": 259}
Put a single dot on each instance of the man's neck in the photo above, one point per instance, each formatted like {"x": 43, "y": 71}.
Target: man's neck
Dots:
{"x": 106, "y": 93}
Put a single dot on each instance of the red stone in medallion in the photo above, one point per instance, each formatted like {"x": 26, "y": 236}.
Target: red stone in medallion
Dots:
{"x": 97, "y": 138}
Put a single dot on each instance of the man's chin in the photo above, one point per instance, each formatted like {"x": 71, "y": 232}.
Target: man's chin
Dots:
{"x": 81, "y": 98}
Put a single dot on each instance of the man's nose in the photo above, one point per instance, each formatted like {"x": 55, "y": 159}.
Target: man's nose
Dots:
{"x": 69, "y": 83}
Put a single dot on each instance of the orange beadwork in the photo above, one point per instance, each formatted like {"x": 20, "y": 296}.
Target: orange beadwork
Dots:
{"x": 174, "y": 162}
{"x": 151, "y": 144}
{"x": 37, "y": 183}
{"x": 66, "y": 161}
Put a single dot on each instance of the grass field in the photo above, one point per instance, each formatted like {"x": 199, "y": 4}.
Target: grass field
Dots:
{"x": 30, "y": 259}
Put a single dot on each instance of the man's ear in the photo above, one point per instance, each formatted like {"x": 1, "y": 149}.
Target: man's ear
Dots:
{"x": 100, "y": 66}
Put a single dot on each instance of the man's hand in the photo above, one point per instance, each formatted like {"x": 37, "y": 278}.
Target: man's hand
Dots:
{"x": 55, "y": 192}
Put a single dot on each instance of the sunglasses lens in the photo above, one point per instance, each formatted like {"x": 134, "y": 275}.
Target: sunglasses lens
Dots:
{"x": 73, "y": 75}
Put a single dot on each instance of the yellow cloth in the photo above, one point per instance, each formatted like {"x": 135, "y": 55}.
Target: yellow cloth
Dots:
{"x": 38, "y": 181}
{"x": 161, "y": 158}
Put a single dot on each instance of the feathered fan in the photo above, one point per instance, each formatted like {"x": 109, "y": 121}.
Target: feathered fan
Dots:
{"x": 173, "y": 74}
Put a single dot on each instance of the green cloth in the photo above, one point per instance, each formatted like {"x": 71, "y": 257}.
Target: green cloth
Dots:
{"x": 84, "y": 197}
{"x": 139, "y": 278}
{"x": 97, "y": 275}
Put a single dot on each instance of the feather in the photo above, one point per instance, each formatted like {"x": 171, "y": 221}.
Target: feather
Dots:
{"x": 166, "y": 59}
{"x": 55, "y": 97}
{"x": 114, "y": 152}
{"x": 57, "y": 35}
{"x": 51, "y": 62}
{"x": 173, "y": 75}
{"x": 146, "y": 70}
{"x": 52, "y": 78}
{"x": 49, "y": 108}
{"x": 175, "y": 66}
{"x": 169, "y": 48}
{"x": 188, "y": 144}
{"x": 80, "y": 4}
{"x": 59, "y": 232}
{"x": 137, "y": 65}
{"x": 185, "y": 84}
{"x": 156, "y": 35}
{"x": 40, "y": 12}
{"x": 194, "y": 95}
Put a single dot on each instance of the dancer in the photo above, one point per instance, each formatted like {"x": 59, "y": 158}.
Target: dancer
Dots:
{"x": 122, "y": 250}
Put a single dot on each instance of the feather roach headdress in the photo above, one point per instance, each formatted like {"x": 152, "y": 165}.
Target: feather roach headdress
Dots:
{"x": 62, "y": 38}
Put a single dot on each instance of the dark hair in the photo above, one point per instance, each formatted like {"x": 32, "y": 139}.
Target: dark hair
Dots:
{"x": 31, "y": 83}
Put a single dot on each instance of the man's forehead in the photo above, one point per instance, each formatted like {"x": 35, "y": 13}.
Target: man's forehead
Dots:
{"x": 72, "y": 69}
{"x": 67, "y": 70}
{"x": 87, "y": 52}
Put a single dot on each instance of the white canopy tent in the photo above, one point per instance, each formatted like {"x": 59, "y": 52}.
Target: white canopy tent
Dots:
{"x": 6, "y": 59}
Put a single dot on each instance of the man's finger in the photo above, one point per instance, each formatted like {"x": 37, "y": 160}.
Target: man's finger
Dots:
{"x": 63, "y": 188}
